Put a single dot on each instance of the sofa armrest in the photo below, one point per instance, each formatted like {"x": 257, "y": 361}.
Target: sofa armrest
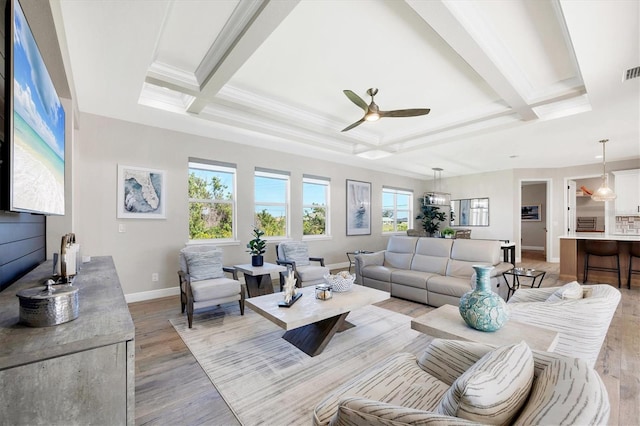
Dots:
{"x": 317, "y": 259}
{"x": 367, "y": 259}
{"x": 446, "y": 360}
{"x": 360, "y": 411}
{"x": 500, "y": 268}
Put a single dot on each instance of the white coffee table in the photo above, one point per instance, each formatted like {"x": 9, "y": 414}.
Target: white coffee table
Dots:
{"x": 310, "y": 323}
{"x": 445, "y": 322}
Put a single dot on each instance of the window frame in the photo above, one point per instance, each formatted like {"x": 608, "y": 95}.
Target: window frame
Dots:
{"x": 326, "y": 182}
{"x": 221, "y": 167}
{"x": 280, "y": 175}
{"x": 396, "y": 192}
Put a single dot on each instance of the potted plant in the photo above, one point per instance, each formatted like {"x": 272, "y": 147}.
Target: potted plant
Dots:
{"x": 431, "y": 217}
{"x": 448, "y": 232}
{"x": 257, "y": 247}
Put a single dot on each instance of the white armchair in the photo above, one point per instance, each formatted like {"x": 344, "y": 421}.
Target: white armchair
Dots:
{"x": 203, "y": 282}
{"x": 295, "y": 255}
{"x": 404, "y": 390}
{"x": 582, "y": 323}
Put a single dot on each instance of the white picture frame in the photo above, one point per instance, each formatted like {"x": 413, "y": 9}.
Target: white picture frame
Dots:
{"x": 141, "y": 193}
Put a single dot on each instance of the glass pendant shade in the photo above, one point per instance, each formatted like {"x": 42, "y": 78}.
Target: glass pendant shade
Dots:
{"x": 604, "y": 193}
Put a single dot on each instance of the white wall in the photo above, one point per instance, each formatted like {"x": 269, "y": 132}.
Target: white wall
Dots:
{"x": 150, "y": 246}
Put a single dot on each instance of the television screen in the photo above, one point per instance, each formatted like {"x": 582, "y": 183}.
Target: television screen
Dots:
{"x": 36, "y": 126}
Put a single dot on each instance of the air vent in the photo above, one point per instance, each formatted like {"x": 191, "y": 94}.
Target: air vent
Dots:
{"x": 632, "y": 73}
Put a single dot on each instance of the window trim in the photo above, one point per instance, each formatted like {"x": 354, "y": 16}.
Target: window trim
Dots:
{"x": 395, "y": 191}
{"x": 281, "y": 175}
{"x": 326, "y": 182}
{"x": 222, "y": 167}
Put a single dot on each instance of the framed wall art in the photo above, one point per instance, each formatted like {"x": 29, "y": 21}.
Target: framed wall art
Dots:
{"x": 358, "y": 207}
{"x": 530, "y": 213}
{"x": 141, "y": 193}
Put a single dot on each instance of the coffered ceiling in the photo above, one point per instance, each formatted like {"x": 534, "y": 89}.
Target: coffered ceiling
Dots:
{"x": 510, "y": 84}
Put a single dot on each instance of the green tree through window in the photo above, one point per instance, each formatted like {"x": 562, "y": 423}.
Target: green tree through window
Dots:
{"x": 211, "y": 202}
{"x": 315, "y": 206}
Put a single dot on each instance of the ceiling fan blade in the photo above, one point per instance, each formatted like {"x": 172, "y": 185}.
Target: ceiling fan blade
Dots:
{"x": 356, "y": 99}
{"x": 357, "y": 123}
{"x": 404, "y": 112}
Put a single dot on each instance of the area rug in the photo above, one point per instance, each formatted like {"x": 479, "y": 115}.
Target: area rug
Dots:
{"x": 267, "y": 381}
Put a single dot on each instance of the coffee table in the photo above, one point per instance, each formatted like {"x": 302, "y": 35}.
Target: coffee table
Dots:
{"x": 445, "y": 322}
{"x": 258, "y": 278}
{"x": 310, "y": 323}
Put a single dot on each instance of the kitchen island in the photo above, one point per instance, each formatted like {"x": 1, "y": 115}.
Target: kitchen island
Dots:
{"x": 572, "y": 258}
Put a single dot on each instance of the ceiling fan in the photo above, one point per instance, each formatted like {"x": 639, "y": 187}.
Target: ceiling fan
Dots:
{"x": 373, "y": 113}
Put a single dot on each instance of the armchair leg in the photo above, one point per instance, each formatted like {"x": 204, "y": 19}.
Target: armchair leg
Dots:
{"x": 241, "y": 301}
{"x": 190, "y": 314}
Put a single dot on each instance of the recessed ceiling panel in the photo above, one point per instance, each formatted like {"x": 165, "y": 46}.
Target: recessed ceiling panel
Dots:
{"x": 190, "y": 28}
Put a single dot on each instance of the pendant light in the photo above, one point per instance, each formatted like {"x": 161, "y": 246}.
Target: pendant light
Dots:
{"x": 604, "y": 193}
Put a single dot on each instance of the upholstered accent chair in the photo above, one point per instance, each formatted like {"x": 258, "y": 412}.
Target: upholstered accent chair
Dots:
{"x": 580, "y": 317}
{"x": 295, "y": 256}
{"x": 203, "y": 282}
{"x": 464, "y": 383}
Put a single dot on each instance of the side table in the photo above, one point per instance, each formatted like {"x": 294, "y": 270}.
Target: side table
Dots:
{"x": 258, "y": 278}
{"x": 518, "y": 273}
{"x": 352, "y": 260}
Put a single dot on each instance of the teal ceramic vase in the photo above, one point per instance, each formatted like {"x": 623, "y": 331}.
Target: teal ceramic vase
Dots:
{"x": 481, "y": 308}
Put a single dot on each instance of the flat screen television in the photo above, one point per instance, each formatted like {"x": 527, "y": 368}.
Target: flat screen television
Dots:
{"x": 35, "y": 124}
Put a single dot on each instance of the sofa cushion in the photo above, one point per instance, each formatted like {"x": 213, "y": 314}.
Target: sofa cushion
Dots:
{"x": 462, "y": 269}
{"x": 451, "y": 286}
{"x": 312, "y": 272}
{"x": 296, "y": 251}
{"x": 569, "y": 291}
{"x": 476, "y": 251}
{"x": 380, "y": 273}
{"x": 411, "y": 278}
{"x": 204, "y": 265}
{"x": 400, "y": 252}
{"x": 494, "y": 389}
{"x": 432, "y": 255}
{"x": 217, "y": 288}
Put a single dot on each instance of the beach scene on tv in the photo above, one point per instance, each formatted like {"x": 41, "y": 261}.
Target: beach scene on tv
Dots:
{"x": 38, "y": 129}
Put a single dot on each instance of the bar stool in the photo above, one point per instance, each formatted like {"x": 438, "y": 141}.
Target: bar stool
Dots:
{"x": 602, "y": 249}
{"x": 633, "y": 252}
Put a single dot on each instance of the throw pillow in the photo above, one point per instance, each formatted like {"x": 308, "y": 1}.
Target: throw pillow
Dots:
{"x": 569, "y": 291}
{"x": 204, "y": 265}
{"x": 297, "y": 252}
{"x": 494, "y": 389}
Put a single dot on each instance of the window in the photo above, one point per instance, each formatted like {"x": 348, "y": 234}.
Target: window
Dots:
{"x": 212, "y": 200}
{"x": 315, "y": 205}
{"x": 272, "y": 202}
{"x": 397, "y": 209}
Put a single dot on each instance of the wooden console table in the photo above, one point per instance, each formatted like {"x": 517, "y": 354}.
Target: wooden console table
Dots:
{"x": 79, "y": 372}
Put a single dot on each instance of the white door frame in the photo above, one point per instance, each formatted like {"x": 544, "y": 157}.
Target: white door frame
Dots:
{"x": 566, "y": 202}
{"x": 547, "y": 214}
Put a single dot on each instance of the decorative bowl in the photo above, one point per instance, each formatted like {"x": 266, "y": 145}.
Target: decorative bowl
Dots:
{"x": 340, "y": 282}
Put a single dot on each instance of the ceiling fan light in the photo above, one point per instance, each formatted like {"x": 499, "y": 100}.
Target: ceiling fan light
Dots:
{"x": 372, "y": 116}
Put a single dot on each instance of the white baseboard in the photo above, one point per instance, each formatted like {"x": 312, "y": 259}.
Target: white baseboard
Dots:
{"x": 152, "y": 294}
{"x": 175, "y": 291}
{"x": 537, "y": 248}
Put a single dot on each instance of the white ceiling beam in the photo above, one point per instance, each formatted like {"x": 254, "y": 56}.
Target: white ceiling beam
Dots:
{"x": 446, "y": 18}
{"x": 264, "y": 22}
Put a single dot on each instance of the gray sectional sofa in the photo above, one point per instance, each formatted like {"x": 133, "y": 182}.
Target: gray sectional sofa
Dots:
{"x": 433, "y": 271}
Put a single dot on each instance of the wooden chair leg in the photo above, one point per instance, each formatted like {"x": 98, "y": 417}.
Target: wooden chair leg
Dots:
{"x": 241, "y": 301}
{"x": 586, "y": 268}
{"x": 190, "y": 314}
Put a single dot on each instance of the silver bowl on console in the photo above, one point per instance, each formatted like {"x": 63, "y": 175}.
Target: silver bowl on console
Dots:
{"x": 50, "y": 305}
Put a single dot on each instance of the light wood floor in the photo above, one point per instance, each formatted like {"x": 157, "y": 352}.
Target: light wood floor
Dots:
{"x": 172, "y": 388}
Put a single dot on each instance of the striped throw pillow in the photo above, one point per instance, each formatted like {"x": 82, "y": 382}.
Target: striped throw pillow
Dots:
{"x": 494, "y": 389}
{"x": 296, "y": 251}
{"x": 204, "y": 265}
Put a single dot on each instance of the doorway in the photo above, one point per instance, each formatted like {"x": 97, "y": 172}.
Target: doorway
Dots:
{"x": 535, "y": 207}
{"x": 584, "y": 214}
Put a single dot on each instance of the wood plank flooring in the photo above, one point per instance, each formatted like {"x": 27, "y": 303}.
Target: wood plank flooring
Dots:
{"x": 172, "y": 388}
